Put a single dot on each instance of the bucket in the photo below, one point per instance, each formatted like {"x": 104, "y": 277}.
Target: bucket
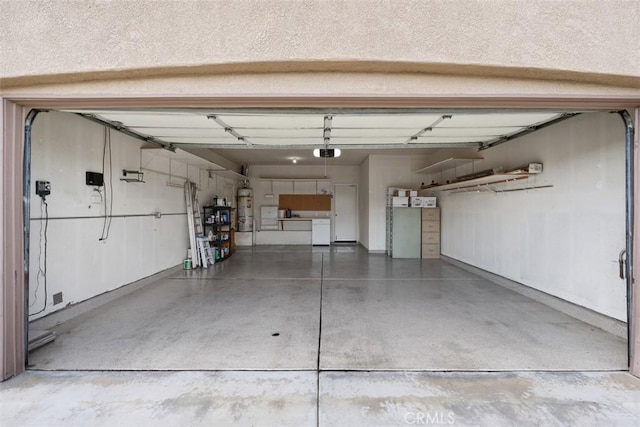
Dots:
{"x": 187, "y": 264}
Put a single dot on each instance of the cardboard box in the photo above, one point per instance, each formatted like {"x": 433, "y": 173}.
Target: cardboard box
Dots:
{"x": 423, "y": 202}
{"x": 535, "y": 167}
{"x": 416, "y": 202}
{"x": 401, "y": 193}
{"x": 400, "y": 202}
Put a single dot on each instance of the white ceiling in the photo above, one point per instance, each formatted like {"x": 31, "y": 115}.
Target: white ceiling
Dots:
{"x": 276, "y": 137}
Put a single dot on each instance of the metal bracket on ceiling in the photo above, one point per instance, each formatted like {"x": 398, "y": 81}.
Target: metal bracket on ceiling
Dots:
{"x": 230, "y": 130}
{"x": 413, "y": 138}
{"x": 326, "y": 134}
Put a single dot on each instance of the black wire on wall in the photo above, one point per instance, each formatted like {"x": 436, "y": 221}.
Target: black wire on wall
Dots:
{"x": 108, "y": 200}
{"x": 42, "y": 267}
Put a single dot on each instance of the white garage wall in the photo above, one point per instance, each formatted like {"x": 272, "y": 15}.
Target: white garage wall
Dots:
{"x": 258, "y": 173}
{"x": 388, "y": 171}
{"x": 564, "y": 240}
{"x": 363, "y": 203}
{"x": 80, "y": 266}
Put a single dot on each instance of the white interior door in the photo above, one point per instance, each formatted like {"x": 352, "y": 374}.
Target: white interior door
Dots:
{"x": 346, "y": 213}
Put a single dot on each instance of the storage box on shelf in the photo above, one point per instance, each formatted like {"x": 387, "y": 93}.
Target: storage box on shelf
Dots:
{"x": 422, "y": 202}
{"x": 400, "y": 201}
{"x": 493, "y": 180}
{"x": 218, "y": 228}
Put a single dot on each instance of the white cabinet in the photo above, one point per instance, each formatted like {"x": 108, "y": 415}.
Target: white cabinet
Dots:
{"x": 282, "y": 187}
{"x": 320, "y": 231}
{"x": 304, "y": 187}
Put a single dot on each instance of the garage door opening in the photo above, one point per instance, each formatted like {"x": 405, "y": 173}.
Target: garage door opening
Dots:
{"x": 527, "y": 262}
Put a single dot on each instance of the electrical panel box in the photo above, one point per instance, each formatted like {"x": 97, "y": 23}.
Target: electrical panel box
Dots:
{"x": 43, "y": 188}
{"x": 95, "y": 179}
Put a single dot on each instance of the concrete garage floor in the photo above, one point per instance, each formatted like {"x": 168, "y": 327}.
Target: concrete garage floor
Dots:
{"x": 358, "y": 337}
{"x": 377, "y": 314}
{"x": 274, "y": 398}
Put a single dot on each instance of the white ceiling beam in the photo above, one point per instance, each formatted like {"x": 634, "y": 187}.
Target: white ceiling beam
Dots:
{"x": 341, "y": 146}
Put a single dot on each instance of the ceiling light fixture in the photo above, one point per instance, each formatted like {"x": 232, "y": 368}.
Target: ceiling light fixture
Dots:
{"x": 327, "y": 152}
{"x": 295, "y": 160}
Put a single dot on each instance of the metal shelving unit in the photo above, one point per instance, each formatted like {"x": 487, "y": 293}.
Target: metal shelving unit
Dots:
{"x": 218, "y": 227}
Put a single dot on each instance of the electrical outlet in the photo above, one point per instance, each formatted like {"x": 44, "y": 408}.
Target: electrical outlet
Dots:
{"x": 43, "y": 188}
{"x": 95, "y": 198}
{"x": 57, "y": 298}
{"x": 94, "y": 178}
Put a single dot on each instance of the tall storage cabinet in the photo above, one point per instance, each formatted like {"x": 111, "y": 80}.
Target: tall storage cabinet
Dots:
{"x": 430, "y": 233}
{"x": 404, "y": 235}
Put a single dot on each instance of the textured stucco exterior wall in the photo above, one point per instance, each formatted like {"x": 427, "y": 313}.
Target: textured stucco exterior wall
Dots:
{"x": 589, "y": 41}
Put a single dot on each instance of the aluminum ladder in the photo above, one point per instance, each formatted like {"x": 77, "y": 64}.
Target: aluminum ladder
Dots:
{"x": 194, "y": 221}
{"x": 206, "y": 253}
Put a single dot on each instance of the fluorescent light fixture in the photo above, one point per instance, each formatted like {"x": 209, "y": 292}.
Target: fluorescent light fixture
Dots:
{"x": 326, "y": 152}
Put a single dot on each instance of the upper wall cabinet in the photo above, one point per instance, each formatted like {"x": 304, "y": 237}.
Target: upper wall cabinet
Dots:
{"x": 295, "y": 185}
{"x": 304, "y": 187}
{"x": 283, "y": 187}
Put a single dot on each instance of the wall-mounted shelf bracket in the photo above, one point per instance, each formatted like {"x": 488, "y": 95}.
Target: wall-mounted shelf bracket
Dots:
{"x": 132, "y": 176}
